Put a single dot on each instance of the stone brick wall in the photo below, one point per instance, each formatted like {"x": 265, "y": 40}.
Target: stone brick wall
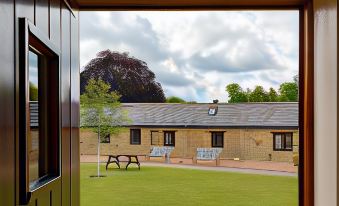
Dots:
{"x": 258, "y": 145}
{"x": 246, "y": 144}
{"x": 119, "y": 144}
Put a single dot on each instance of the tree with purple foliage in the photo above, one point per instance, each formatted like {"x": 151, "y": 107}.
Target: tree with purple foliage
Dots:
{"x": 129, "y": 76}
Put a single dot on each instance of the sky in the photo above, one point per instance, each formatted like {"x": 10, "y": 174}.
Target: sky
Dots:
{"x": 33, "y": 68}
{"x": 195, "y": 54}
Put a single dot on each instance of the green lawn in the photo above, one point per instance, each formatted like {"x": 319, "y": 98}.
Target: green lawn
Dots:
{"x": 171, "y": 186}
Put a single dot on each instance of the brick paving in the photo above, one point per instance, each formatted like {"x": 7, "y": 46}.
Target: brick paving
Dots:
{"x": 246, "y": 166}
{"x": 223, "y": 169}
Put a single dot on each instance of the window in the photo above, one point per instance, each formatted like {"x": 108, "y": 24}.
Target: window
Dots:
{"x": 38, "y": 101}
{"x": 106, "y": 139}
{"x": 33, "y": 146}
{"x": 169, "y": 138}
{"x": 212, "y": 110}
{"x": 154, "y": 138}
{"x": 135, "y": 136}
{"x": 217, "y": 139}
{"x": 42, "y": 142}
{"x": 283, "y": 141}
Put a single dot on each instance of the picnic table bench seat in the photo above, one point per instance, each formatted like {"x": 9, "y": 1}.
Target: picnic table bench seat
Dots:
{"x": 130, "y": 159}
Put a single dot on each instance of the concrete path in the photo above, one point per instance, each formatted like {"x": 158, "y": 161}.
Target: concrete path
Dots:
{"x": 223, "y": 169}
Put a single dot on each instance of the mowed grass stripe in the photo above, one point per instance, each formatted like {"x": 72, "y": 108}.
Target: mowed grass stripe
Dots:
{"x": 174, "y": 186}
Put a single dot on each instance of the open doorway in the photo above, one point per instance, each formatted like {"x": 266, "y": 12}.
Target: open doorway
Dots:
{"x": 231, "y": 59}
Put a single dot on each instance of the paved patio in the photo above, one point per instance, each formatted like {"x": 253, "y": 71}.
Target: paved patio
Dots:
{"x": 220, "y": 168}
{"x": 247, "y": 166}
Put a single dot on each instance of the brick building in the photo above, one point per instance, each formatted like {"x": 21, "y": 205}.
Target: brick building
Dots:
{"x": 250, "y": 131}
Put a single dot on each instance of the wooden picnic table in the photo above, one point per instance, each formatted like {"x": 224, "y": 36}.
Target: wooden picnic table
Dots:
{"x": 130, "y": 159}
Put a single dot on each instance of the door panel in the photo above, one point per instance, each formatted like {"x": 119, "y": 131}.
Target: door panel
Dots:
{"x": 43, "y": 118}
{"x": 49, "y": 195}
{"x": 66, "y": 106}
{"x": 325, "y": 102}
{"x": 41, "y": 14}
{"x": 25, "y": 8}
{"x": 75, "y": 117}
{"x": 54, "y": 22}
{"x": 50, "y": 17}
{"x": 7, "y": 106}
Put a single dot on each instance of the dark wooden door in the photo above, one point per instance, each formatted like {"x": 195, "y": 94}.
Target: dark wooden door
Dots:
{"x": 58, "y": 23}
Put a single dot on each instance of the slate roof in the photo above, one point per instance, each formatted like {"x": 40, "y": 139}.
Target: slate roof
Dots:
{"x": 244, "y": 115}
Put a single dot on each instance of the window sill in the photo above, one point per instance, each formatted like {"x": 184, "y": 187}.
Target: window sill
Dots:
{"x": 41, "y": 182}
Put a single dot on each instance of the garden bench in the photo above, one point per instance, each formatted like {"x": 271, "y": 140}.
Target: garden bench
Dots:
{"x": 130, "y": 159}
{"x": 161, "y": 152}
{"x": 208, "y": 154}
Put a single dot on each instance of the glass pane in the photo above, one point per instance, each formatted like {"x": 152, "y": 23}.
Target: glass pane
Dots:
{"x": 211, "y": 111}
{"x": 33, "y": 136}
{"x": 167, "y": 138}
{"x": 215, "y": 137}
{"x": 289, "y": 141}
{"x": 278, "y": 141}
{"x": 219, "y": 140}
{"x": 132, "y": 133}
{"x": 106, "y": 139}
{"x": 135, "y": 136}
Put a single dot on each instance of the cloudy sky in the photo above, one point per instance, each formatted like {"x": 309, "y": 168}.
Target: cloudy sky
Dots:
{"x": 194, "y": 55}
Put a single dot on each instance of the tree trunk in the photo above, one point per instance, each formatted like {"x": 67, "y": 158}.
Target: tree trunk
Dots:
{"x": 99, "y": 147}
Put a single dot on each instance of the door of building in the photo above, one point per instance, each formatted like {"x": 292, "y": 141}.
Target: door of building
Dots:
{"x": 39, "y": 109}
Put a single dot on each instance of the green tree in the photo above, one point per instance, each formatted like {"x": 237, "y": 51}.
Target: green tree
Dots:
{"x": 236, "y": 93}
{"x": 33, "y": 92}
{"x": 129, "y": 76}
{"x": 248, "y": 92}
{"x": 174, "y": 99}
{"x": 272, "y": 95}
{"x": 288, "y": 92}
{"x": 101, "y": 111}
{"x": 258, "y": 95}
{"x": 191, "y": 102}
{"x": 296, "y": 80}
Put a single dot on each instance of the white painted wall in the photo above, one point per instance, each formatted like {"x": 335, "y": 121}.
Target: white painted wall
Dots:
{"x": 325, "y": 22}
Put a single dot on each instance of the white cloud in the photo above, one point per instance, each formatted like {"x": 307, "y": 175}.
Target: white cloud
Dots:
{"x": 194, "y": 55}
